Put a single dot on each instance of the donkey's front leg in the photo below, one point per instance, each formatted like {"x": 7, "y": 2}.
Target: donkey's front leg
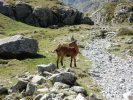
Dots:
{"x": 71, "y": 61}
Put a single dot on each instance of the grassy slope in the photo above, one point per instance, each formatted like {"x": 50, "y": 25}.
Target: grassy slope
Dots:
{"x": 43, "y": 3}
{"x": 45, "y": 37}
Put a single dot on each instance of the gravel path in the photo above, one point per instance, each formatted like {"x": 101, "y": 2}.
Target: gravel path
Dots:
{"x": 113, "y": 74}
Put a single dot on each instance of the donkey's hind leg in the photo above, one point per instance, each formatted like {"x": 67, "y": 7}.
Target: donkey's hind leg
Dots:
{"x": 75, "y": 62}
{"x": 71, "y": 61}
{"x": 58, "y": 61}
{"x": 62, "y": 61}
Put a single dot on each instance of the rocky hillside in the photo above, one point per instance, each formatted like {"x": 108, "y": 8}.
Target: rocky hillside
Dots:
{"x": 113, "y": 13}
{"x": 104, "y": 11}
{"x": 58, "y": 15}
{"x": 86, "y": 5}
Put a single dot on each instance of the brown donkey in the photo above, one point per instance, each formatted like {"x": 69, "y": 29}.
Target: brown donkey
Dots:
{"x": 70, "y": 50}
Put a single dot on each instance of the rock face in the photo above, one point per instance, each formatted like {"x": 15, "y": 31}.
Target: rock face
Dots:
{"x": 18, "y": 46}
{"x": 45, "y": 16}
{"x": 69, "y": 16}
{"x": 123, "y": 13}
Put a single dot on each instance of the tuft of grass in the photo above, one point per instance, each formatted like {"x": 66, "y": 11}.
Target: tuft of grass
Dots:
{"x": 110, "y": 9}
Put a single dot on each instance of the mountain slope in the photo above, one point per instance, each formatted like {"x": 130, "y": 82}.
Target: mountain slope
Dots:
{"x": 86, "y": 5}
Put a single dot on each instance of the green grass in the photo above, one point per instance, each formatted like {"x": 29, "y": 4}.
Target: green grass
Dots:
{"x": 48, "y": 40}
{"x": 42, "y": 3}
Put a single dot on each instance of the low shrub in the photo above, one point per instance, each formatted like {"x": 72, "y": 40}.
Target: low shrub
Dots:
{"x": 125, "y": 31}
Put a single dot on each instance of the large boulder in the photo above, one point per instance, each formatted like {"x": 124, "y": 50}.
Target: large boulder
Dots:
{"x": 68, "y": 16}
{"x": 22, "y": 10}
{"x": 6, "y": 10}
{"x": 18, "y": 46}
{"x": 64, "y": 77}
{"x": 31, "y": 20}
{"x": 45, "y": 16}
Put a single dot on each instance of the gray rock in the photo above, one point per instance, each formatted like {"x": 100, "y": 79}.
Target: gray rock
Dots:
{"x": 71, "y": 97}
{"x": 64, "y": 77}
{"x": 78, "y": 89}
{"x": 130, "y": 18}
{"x": 69, "y": 16}
{"x": 80, "y": 97}
{"x": 38, "y": 97}
{"x": 3, "y": 91}
{"x": 123, "y": 13}
{"x": 128, "y": 95}
{"x": 37, "y": 80}
{"x": 30, "y": 90}
{"x": 129, "y": 41}
{"x": 71, "y": 38}
{"x": 20, "y": 86}
{"x": 18, "y": 46}
{"x": 87, "y": 20}
{"x": 8, "y": 97}
{"x": 43, "y": 90}
{"x": 31, "y": 20}
{"x": 59, "y": 85}
{"x": 48, "y": 68}
{"x": 92, "y": 97}
{"x": 22, "y": 10}
{"x": 46, "y": 97}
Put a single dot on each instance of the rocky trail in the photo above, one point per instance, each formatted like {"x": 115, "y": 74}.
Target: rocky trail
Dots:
{"x": 113, "y": 74}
